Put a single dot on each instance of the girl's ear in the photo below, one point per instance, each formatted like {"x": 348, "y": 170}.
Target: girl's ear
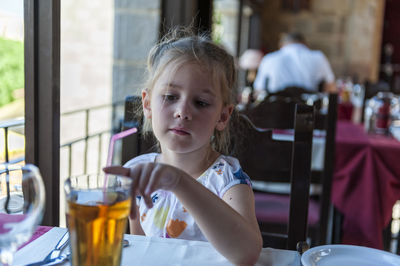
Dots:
{"x": 224, "y": 118}
{"x": 146, "y": 103}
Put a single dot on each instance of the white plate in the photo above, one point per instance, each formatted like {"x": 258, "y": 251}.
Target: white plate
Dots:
{"x": 346, "y": 255}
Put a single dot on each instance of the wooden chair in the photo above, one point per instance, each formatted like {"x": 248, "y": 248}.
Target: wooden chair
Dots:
{"x": 325, "y": 227}
{"x": 291, "y": 92}
{"x": 264, "y": 158}
{"x": 136, "y": 144}
{"x": 271, "y": 114}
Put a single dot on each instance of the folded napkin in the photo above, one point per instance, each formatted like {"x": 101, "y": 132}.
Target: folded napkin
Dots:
{"x": 39, "y": 248}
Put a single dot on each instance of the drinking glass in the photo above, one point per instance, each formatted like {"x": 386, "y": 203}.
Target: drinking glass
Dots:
{"x": 97, "y": 211}
{"x": 380, "y": 112}
{"x": 22, "y": 199}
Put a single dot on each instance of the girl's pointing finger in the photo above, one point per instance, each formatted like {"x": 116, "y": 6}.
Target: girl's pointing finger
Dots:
{"x": 117, "y": 170}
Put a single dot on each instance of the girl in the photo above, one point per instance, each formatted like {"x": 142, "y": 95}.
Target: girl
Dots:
{"x": 190, "y": 190}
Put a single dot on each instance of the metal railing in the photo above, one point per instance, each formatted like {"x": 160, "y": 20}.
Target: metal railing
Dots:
{"x": 87, "y": 136}
{"x": 7, "y": 125}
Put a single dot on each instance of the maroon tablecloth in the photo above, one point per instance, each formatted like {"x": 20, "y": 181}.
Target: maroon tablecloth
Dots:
{"x": 366, "y": 183}
{"x": 345, "y": 111}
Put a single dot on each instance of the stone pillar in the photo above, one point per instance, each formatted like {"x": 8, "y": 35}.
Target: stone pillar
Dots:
{"x": 136, "y": 28}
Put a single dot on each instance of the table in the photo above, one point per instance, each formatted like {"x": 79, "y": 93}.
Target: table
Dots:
{"x": 366, "y": 183}
{"x": 156, "y": 251}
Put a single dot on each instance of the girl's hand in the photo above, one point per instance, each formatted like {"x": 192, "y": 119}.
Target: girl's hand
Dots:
{"x": 147, "y": 178}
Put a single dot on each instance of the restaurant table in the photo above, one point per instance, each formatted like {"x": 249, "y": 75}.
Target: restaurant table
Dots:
{"x": 154, "y": 251}
{"x": 366, "y": 183}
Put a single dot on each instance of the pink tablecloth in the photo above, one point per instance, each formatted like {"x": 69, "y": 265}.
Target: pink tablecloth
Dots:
{"x": 366, "y": 183}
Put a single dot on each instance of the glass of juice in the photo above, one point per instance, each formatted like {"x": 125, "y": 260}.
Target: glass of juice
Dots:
{"x": 97, "y": 211}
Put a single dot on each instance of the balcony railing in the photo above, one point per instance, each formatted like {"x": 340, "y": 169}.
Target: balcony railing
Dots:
{"x": 16, "y": 153}
{"x": 14, "y": 129}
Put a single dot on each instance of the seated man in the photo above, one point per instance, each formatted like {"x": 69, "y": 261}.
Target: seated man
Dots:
{"x": 294, "y": 65}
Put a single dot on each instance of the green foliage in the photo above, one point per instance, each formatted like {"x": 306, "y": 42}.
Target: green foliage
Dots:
{"x": 217, "y": 28}
{"x": 11, "y": 69}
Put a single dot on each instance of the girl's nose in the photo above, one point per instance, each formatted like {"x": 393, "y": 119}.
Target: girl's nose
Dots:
{"x": 183, "y": 111}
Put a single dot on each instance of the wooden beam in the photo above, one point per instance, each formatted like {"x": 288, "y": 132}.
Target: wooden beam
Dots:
{"x": 42, "y": 97}
{"x": 197, "y": 13}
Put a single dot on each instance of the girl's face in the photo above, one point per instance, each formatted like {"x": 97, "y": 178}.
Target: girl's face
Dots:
{"x": 185, "y": 108}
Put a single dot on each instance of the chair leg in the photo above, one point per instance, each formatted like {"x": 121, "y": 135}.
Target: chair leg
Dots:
{"x": 329, "y": 227}
{"x": 337, "y": 226}
{"x": 387, "y": 237}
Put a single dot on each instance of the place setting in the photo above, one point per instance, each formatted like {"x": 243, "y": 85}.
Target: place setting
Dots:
{"x": 97, "y": 208}
{"x": 61, "y": 253}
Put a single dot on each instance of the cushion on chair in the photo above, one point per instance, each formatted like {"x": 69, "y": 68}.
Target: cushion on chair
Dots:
{"x": 272, "y": 208}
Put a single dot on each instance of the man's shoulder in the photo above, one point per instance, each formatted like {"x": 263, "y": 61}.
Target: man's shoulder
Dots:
{"x": 272, "y": 56}
{"x": 317, "y": 53}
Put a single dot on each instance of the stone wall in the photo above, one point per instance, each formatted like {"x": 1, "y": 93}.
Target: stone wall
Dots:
{"x": 104, "y": 45}
{"x": 135, "y": 32}
{"x": 86, "y": 53}
{"x": 86, "y": 56}
{"x": 347, "y": 31}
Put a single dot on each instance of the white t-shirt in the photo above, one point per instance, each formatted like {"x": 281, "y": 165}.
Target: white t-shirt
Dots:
{"x": 168, "y": 218}
{"x": 293, "y": 65}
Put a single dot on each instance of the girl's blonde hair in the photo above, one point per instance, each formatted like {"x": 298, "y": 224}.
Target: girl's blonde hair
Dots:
{"x": 181, "y": 46}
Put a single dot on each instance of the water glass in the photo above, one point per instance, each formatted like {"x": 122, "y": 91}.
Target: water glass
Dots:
{"x": 22, "y": 200}
{"x": 380, "y": 112}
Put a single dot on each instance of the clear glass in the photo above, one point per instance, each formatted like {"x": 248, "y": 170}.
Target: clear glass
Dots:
{"x": 380, "y": 113}
{"x": 97, "y": 210}
{"x": 22, "y": 199}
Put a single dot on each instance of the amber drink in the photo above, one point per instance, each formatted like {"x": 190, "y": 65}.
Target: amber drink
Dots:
{"x": 97, "y": 212}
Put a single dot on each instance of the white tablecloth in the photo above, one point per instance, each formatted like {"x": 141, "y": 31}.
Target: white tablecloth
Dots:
{"x": 157, "y": 251}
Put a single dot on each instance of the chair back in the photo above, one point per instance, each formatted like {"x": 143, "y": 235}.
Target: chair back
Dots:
{"x": 327, "y": 122}
{"x": 266, "y": 159}
{"x": 269, "y": 113}
{"x": 273, "y": 112}
{"x": 292, "y": 92}
{"x": 136, "y": 144}
{"x": 300, "y": 175}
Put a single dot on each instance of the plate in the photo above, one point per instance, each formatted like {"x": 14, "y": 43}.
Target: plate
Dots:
{"x": 346, "y": 255}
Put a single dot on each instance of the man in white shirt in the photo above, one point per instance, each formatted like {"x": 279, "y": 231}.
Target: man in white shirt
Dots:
{"x": 294, "y": 65}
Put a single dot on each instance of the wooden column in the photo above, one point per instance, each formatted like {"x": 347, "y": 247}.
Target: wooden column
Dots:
{"x": 186, "y": 12}
{"x": 42, "y": 97}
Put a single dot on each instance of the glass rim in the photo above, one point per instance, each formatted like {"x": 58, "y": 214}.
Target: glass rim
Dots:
{"x": 93, "y": 181}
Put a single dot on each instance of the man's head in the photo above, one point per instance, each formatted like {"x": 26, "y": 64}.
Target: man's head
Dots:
{"x": 292, "y": 37}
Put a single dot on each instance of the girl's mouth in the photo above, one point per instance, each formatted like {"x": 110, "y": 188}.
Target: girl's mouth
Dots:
{"x": 179, "y": 131}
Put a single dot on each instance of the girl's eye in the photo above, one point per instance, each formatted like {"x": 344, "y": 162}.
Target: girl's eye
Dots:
{"x": 169, "y": 97}
{"x": 202, "y": 103}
